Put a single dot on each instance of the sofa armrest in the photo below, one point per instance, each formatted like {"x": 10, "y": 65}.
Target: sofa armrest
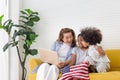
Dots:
{"x": 34, "y": 62}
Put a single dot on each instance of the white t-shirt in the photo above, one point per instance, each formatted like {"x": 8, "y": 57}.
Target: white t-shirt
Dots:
{"x": 63, "y": 50}
{"x": 80, "y": 54}
{"x": 94, "y": 54}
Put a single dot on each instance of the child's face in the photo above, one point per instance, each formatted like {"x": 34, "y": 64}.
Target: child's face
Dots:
{"x": 68, "y": 38}
{"x": 84, "y": 43}
{"x": 79, "y": 41}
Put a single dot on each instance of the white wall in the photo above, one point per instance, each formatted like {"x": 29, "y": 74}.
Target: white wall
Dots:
{"x": 4, "y": 56}
{"x": 9, "y": 68}
{"x": 76, "y": 14}
{"x": 14, "y": 8}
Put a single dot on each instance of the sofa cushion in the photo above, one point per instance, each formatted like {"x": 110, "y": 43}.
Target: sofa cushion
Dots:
{"x": 114, "y": 56}
{"x": 34, "y": 62}
{"x": 32, "y": 76}
{"x": 112, "y": 75}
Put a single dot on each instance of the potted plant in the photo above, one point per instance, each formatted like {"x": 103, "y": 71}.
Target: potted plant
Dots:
{"x": 24, "y": 35}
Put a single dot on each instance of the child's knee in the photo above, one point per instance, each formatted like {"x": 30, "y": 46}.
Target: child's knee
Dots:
{"x": 54, "y": 67}
{"x": 101, "y": 68}
{"x": 45, "y": 64}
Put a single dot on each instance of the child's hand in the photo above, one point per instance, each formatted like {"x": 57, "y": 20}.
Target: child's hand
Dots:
{"x": 100, "y": 50}
{"x": 61, "y": 65}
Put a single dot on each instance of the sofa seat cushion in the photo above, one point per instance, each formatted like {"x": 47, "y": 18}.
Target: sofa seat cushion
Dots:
{"x": 111, "y": 75}
{"x": 32, "y": 76}
{"x": 114, "y": 56}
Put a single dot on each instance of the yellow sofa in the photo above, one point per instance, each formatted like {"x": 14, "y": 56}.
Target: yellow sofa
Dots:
{"x": 113, "y": 74}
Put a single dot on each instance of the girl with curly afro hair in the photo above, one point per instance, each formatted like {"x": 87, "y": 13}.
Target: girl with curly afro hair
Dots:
{"x": 91, "y": 37}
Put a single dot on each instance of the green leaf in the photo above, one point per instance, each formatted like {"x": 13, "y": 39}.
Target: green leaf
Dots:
{"x": 22, "y": 26}
{"x": 24, "y": 17}
{"x": 20, "y": 32}
{"x": 1, "y": 18}
{"x": 29, "y": 23}
{"x": 28, "y": 11}
{"x": 7, "y": 21}
{"x": 15, "y": 43}
{"x": 35, "y": 13}
{"x": 25, "y": 47}
{"x": 28, "y": 42}
{"x": 23, "y": 12}
{"x": 24, "y": 32}
{"x": 33, "y": 51}
{"x": 33, "y": 37}
{"x": 8, "y": 25}
{"x": 14, "y": 34}
{"x": 6, "y": 46}
{"x": 35, "y": 18}
{"x": 22, "y": 21}
{"x": 1, "y": 26}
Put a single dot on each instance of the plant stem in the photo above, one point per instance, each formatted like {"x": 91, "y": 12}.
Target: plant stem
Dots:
{"x": 23, "y": 73}
{"x": 22, "y": 64}
{"x": 19, "y": 55}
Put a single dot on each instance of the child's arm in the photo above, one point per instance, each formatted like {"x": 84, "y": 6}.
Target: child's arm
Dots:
{"x": 63, "y": 64}
{"x": 68, "y": 62}
{"x": 100, "y": 50}
{"x": 73, "y": 60}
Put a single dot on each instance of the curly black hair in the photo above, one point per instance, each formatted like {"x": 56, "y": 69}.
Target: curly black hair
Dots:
{"x": 91, "y": 35}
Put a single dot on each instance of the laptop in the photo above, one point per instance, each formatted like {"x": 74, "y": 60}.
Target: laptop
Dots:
{"x": 49, "y": 56}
